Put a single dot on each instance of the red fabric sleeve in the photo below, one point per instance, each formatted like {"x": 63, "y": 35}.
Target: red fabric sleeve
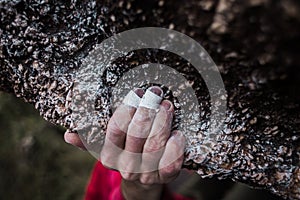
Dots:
{"x": 105, "y": 184}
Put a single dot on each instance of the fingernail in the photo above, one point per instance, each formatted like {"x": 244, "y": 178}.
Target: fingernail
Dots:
{"x": 176, "y": 133}
{"x": 166, "y": 104}
{"x": 67, "y": 137}
{"x": 140, "y": 92}
{"x": 156, "y": 90}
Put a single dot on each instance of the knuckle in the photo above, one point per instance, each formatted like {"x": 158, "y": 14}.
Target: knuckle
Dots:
{"x": 165, "y": 120}
{"x": 106, "y": 159}
{"x": 107, "y": 166}
{"x": 154, "y": 144}
{"x": 169, "y": 171}
{"x": 146, "y": 180}
{"x": 113, "y": 127}
{"x": 128, "y": 176}
{"x": 143, "y": 116}
{"x": 161, "y": 132}
{"x": 135, "y": 142}
{"x": 141, "y": 120}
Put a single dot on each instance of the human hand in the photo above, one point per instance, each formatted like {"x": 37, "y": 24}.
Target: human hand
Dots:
{"x": 140, "y": 145}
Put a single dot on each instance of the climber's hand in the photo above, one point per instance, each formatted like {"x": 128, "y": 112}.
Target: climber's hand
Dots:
{"x": 140, "y": 145}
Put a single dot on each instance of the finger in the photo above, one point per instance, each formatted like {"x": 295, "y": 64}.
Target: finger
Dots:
{"x": 124, "y": 113}
{"x": 172, "y": 159}
{"x": 161, "y": 128}
{"x": 141, "y": 123}
{"x": 158, "y": 137}
{"x": 170, "y": 163}
{"x": 117, "y": 128}
{"x": 74, "y": 139}
{"x": 138, "y": 130}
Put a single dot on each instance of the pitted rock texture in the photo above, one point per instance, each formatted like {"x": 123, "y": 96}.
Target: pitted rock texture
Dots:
{"x": 253, "y": 42}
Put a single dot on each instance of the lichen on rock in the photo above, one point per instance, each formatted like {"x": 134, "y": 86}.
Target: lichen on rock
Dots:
{"x": 44, "y": 42}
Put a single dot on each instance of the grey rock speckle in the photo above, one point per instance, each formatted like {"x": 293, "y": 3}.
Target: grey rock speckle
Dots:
{"x": 43, "y": 42}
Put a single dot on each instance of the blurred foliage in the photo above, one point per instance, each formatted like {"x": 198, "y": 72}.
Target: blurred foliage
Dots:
{"x": 35, "y": 162}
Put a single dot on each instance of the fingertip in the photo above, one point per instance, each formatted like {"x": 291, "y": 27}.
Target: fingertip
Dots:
{"x": 74, "y": 139}
{"x": 139, "y": 91}
{"x": 156, "y": 90}
{"x": 68, "y": 137}
{"x": 168, "y": 105}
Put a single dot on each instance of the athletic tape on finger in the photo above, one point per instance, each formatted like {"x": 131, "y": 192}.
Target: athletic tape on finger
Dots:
{"x": 132, "y": 99}
{"x": 150, "y": 100}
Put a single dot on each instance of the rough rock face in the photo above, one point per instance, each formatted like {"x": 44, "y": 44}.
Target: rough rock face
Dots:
{"x": 253, "y": 42}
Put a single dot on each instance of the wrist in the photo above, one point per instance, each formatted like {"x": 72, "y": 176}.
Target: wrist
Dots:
{"x": 134, "y": 190}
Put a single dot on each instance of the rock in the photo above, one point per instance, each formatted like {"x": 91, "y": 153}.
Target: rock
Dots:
{"x": 43, "y": 43}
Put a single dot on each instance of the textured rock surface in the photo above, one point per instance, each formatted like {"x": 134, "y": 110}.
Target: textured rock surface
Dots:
{"x": 253, "y": 42}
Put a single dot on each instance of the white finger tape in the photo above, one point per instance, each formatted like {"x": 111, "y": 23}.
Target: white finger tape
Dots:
{"x": 150, "y": 100}
{"x": 132, "y": 99}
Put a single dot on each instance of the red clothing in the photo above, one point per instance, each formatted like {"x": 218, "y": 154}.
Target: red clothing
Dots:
{"x": 105, "y": 184}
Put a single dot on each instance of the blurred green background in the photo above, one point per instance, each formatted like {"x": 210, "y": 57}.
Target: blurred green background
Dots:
{"x": 35, "y": 162}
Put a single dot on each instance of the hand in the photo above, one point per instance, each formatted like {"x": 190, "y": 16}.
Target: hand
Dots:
{"x": 140, "y": 145}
